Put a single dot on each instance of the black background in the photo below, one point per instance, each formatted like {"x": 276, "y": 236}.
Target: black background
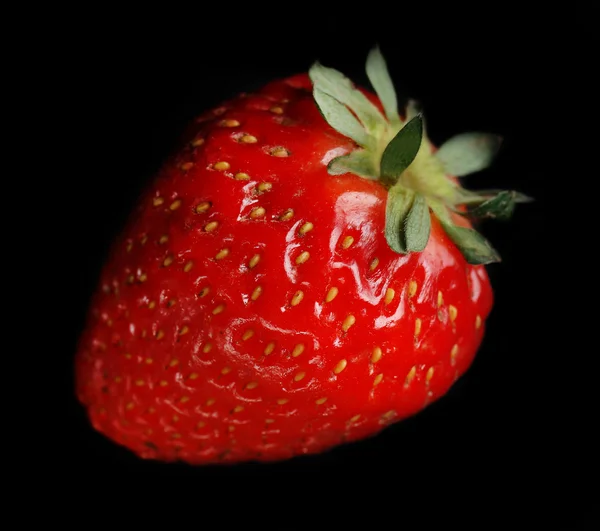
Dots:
{"x": 513, "y": 442}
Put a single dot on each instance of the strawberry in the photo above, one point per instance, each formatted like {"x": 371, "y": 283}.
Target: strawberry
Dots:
{"x": 302, "y": 272}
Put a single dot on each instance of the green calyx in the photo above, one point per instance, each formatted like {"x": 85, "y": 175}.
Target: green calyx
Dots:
{"x": 395, "y": 151}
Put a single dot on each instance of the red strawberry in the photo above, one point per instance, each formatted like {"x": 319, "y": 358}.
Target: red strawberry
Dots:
{"x": 303, "y": 272}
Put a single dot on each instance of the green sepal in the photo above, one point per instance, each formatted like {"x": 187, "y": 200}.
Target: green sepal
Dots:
{"x": 339, "y": 87}
{"x": 340, "y": 118}
{"x": 399, "y": 203}
{"x": 359, "y": 162}
{"x": 517, "y": 196}
{"x": 418, "y": 225}
{"x": 380, "y": 79}
{"x": 473, "y": 246}
{"x": 468, "y": 153}
{"x": 501, "y": 207}
{"x": 402, "y": 150}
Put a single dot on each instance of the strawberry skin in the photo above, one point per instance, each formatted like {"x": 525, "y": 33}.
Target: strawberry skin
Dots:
{"x": 252, "y": 308}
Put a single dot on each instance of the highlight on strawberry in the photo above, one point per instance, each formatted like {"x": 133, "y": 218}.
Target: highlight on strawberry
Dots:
{"x": 304, "y": 271}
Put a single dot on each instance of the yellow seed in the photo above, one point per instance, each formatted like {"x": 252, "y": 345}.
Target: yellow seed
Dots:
{"x": 249, "y": 139}
{"x": 276, "y": 110}
{"x": 374, "y": 264}
{"x": 175, "y": 419}
{"x": 211, "y": 226}
{"x": 452, "y": 312}
{"x": 377, "y": 380}
{"x": 184, "y": 399}
{"x": 347, "y": 242}
{"x": 453, "y": 354}
{"x": 226, "y": 370}
{"x": 210, "y": 401}
{"x": 429, "y": 375}
{"x": 188, "y": 266}
{"x": 157, "y": 201}
{"x": 269, "y": 348}
{"x": 257, "y": 212}
{"x": 203, "y": 207}
{"x": 251, "y": 385}
{"x": 163, "y": 383}
{"x": 241, "y": 176}
{"x": 187, "y": 166}
{"x": 264, "y": 187}
{"x": 238, "y": 409}
{"x": 410, "y": 376}
{"x": 320, "y": 401}
{"x": 129, "y": 247}
{"x": 307, "y": 227}
{"x": 218, "y": 309}
{"x": 222, "y": 254}
{"x": 254, "y": 260}
{"x": 151, "y": 305}
{"x": 163, "y": 239}
{"x": 174, "y": 362}
{"x": 221, "y": 166}
{"x": 478, "y": 322}
{"x": 171, "y": 303}
{"x": 197, "y": 142}
{"x": 193, "y": 376}
{"x": 128, "y": 356}
{"x": 269, "y": 421}
{"x": 204, "y": 291}
{"x": 256, "y": 293}
{"x": 129, "y": 406}
{"x": 299, "y": 376}
{"x": 417, "y": 327}
{"x": 348, "y": 322}
{"x": 143, "y": 277}
{"x": 376, "y": 355}
{"x": 176, "y": 436}
{"x": 331, "y": 294}
{"x": 389, "y": 295}
{"x": 247, "y": 334}
{"x": 184, "y": 330}
{"x": 160, "y": 334}
{"x": 118, "y": 379}
{"x": 440, "y": 298}
{"x": 355, "y": 418}
{"x": 341, "y": 365}
{"x": 297, "y": 298}
{"x": 139, "y": 383}
{"x": 288, "y": 214}
{"x": 279, "y": 152}
{"x": 302, "y": 257}
{"x": 282, "y": 401}
{"x": 175, "y": 204}
{"x": 229, "y": 123}
{"x": 168, "y": 261}
{"x": 412, "y": 288}
{"x": 298, "y": 349}
{"x": 388, "y": 415}
{"x": 144, "y": 239}
{"x": 201, "y": 424}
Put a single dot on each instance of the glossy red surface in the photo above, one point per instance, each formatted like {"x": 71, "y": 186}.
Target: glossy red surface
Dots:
{"x": 173, "y": 363}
